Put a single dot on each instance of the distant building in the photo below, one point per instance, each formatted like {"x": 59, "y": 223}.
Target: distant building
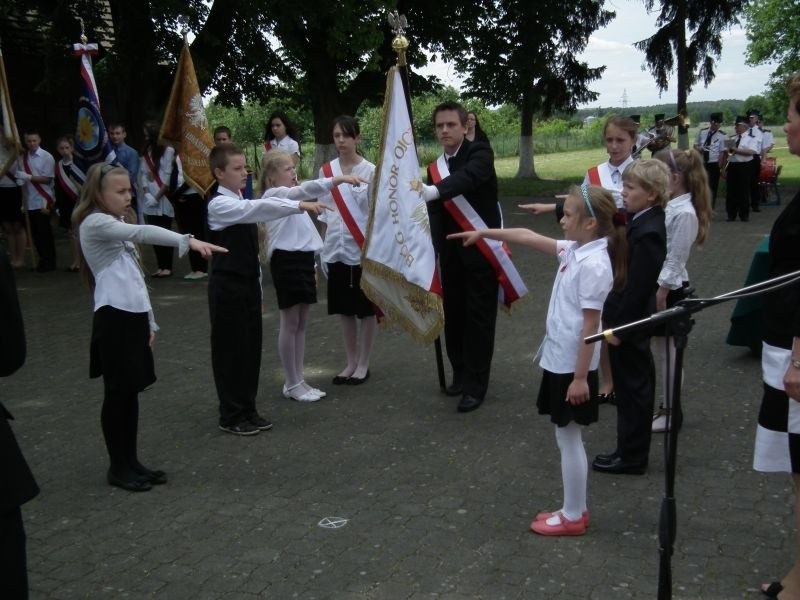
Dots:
{"x": 589, "y": 120}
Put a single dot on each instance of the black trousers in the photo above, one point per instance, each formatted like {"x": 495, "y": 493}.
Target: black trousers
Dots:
{"x": 712, "y": 169}
{"x": 190, "y": 215}
{"x": 163, "y": 253}
{"x": 635, "y": 387}
{"x": 13, "y": 561}
{"x": 43, "y": 239}
{"x": 120, "y": 421}
{"x": 737, "y": 195}
{"x": 234, "y": 305}
{"x": 755, "y": 190}
{"x": 470, "y": 315}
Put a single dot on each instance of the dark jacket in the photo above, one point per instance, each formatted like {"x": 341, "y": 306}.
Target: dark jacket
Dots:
{"x": 782, "y": 307}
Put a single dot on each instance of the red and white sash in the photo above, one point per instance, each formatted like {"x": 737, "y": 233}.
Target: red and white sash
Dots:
{"x": 153, "y": 171}
{"x": 512, "y": 288}
{"x": 37, "y": 186}
{"x": 346, "y": 203}
{"x": 70, "y": 184}
{"x": 601, "y": 177}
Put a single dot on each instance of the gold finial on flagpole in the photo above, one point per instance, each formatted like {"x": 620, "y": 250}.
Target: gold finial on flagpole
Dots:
{"x": 84, "y": 39}
{"x": 398, "y": 24}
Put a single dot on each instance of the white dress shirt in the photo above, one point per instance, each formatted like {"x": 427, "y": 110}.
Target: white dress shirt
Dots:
{"x": 42, "y": 164}
{"x": 583, "y": 281}
{"x": 229, "y": 208}
{"x": 681, "y": 223}
{"x": 149, "y": 185}
{"x": 296, "y": 232}
{"x": 108, "y": 246}
{"x": 611, "y": 178}
{"x": 339, "y": 244}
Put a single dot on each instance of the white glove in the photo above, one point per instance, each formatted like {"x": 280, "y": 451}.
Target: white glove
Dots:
{"x": 23, "y": 175}
{"x": 429, "y": 192}
{"x": 150, "y": 200}
{"x": 20, "y": 182}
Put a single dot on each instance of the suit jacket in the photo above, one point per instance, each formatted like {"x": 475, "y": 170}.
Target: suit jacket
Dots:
{"x": 782, "y": 307}
{"x": 647, "y": 249}
{"x": 17, "y": 484}
{"x": 472, "y": 175}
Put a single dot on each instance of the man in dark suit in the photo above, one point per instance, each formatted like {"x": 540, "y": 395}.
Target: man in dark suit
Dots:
{"x": 17, "y": 485}
{"x": 469, "y": 281}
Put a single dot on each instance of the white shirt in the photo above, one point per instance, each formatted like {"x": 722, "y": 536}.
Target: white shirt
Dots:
{"x": 339, "y": 244}
{"x": 611, "y": 178}
{"x": 681, "y": 223}
{"x": 715, "y": 145}
{"x": 108, "y": 245}
{"x": 287, "y": 144}
{"x": 229, "y": 208}
{"x": 296, "y": 232}
{"x": 753, "y": 142}
{"x": 43, "y": 164}
{"x": 583, "y": 281}
{"x": 148, "y": 184}
{"x": 767, "y": 141}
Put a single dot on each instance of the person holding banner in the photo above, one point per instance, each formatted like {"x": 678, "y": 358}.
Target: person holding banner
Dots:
{"x": 155, "y": 171}
{"x": 344, "y": 228}
{"x": 69, "y": 180}
{"x": 465, "y": 174}
{"x": 123, "y": 329}
{"x": 36, "y": 173}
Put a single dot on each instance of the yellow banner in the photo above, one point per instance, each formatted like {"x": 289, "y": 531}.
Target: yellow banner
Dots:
{"x": 185, "y": 125}
{"x": 9, "y": 137}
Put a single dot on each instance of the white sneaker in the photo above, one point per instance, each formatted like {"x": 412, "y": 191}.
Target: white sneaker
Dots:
{"x": 660, "y": 422}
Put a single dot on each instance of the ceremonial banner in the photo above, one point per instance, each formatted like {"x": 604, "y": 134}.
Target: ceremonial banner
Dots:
{"x": 185, "y": 126}
{"x": 398, "y": 260}
{"x": 9, "y": 137}
{"x": 91, "y": 138}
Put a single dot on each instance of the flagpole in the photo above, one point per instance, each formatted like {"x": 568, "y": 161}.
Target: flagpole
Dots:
{"x": 400, "y": 45}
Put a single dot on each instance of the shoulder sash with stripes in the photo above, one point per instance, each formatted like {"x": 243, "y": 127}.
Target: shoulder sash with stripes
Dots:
{"x": 37, "y": 186}
{"x": 345, "y": 202}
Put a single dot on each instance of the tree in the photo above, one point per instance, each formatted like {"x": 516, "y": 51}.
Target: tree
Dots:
{"x": 523, "y": 53}
{"x": 773, "y": 33}
{"x": 667, "y": 51}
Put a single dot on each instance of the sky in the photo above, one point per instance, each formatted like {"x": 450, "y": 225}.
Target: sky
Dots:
{"x": 612, "y": 46}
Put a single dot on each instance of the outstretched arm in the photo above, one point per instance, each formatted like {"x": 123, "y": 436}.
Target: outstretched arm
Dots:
{"x": 524, "y": 237}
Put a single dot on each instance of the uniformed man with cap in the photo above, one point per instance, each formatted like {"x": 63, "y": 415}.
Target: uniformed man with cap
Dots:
{"x": 741, "y": 148}
{"x": 710, "y": 143}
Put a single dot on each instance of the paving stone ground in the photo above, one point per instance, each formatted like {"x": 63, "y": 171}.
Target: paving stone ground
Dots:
{"x": 437, "y": 503}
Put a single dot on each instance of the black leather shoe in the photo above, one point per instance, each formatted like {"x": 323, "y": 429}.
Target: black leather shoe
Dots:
{"x": 136, "y": 484}
{"x": 357, "y": 380}
{"x": 618, "y": 466}
{"x": 454, "y": 390}
{"x": 340, "y": 379}
{"x": 154, "y": 477}
{"x": 606, "y": 459}
{"x": 469, "y": 403}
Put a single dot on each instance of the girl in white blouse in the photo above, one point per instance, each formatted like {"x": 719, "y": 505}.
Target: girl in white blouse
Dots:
{"x": 123, "y": 329}
{"x": 292, "y": 243}
{"x": 568, "y": 392}
{"x": 687, "y": 219}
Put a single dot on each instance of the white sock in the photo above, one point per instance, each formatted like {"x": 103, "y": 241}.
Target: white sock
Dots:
{"x": 574, "y": 471}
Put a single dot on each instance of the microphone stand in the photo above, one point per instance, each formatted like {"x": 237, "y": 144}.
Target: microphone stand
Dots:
{"x": 678, "y": 323}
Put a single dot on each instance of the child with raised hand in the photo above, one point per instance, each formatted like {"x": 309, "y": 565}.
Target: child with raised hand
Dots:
{"x": 687, "y": 219}
{"x": 344, "y": 231}
{"x": 292, "y": 243}
{"x": 593, "y": 241}
{"x": 645, "y": 192}
{"x": 234, "y": 289}
{"x": 123, "y": 330}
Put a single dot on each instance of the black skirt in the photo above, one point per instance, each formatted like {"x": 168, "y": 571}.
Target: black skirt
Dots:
{"x": 294, "y": 277}
{"x": 673, "y": 297}
{"x": 120, "y": 350}
{"x": 552, "y": 399}
{"x": 345, "y": 296}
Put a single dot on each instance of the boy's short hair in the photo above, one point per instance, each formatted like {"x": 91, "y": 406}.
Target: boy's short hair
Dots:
{"x": 653, "y": 175}
{"x": 450, "y": 105}
{"x": 221, "y": 155}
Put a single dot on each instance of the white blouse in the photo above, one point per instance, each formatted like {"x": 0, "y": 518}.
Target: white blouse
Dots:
{"x": 108, "y": 246}
{"x": 681, "y": 223}
{"x": 296, "y": 232}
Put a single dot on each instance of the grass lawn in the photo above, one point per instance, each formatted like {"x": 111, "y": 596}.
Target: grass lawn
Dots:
{"x": 558, "y": 171}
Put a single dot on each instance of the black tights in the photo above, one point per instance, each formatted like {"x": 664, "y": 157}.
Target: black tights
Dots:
{"x": 120, "y": 421}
